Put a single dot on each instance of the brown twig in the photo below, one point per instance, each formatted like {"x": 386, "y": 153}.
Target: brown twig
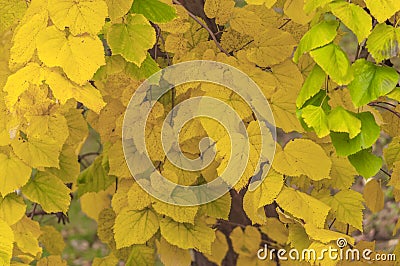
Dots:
{"x": 212, "y": 35}
{"x": 386, "y": 108}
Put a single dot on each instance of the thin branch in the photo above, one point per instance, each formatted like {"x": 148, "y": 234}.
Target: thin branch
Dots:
{"x": 32, "y": 214}
{"x": 391, "y": 104}
{"x": 334, "y": 220}
{"x": 284, "y": 24}
{"x": 385, "y": 172}
{"x": 212, "y": 35}
{"x": 386, "y": 108}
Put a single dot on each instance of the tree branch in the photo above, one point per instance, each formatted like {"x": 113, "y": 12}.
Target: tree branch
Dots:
{"x": 212, "y": 35}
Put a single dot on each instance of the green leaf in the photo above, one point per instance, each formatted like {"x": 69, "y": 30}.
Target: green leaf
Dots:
{"x": 383, "y": 43}
{"x": 49, "y": 191}
{"x": 311, "y": 86}
{"x": 318, "y": 36}
{"x": 303, "y": 206}
{"x": 94, "y": 178}
{"x": 347, "y": 207}
{"x": 315, "y": 117}
{"x": 198, "y": 236}
{"x": 134, "y": 227}
{"x": 13, "y": 174}
{"x": 311, "y": 5}
{"x": 341, "y": 120}
{"x": 366, "y": 163}
{"x": 132, "y": 39}
{"x": 354, "y": 17}
{"x": 383, "y": 9}
{"x": 154, "y": 10}
{"x": 370, "y": 132}
{"x": 148, "y": 68}
{"x": 333, "y": 60}
{"x": 371, "y": 81}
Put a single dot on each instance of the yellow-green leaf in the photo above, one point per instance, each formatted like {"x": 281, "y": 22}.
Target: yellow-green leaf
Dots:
{"x": 12, "y": 208}
{"x": 171, "y": 255}
{"x": 135, "y": 227}
{"x": 341, "y": 120}
{"x": 315, "y": 117}
{"x": 118, "y": 8}
{"x": 52, "y": 240}
{"x": 49, "y": 191}
{"x": 132, "y": 39}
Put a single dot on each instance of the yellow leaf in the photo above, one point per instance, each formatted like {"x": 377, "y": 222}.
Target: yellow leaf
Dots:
{"x": 118, "y": 8}
{"x": 382, "y": 9}
{"x": 299, "y": 157}
{"x": 26, "y": 233}
{"x": 283, "y": 105}
{"x": 294, "y": 9}
{"x": 52, "y": 127}
{"x": 266, "y": 192}
{"x": 219, "y": 208}
{"x": 80, "y": 16}
{"x": 347, "y": 207}
{"x": 395, "y": 177}
{"x": 303, "y": 206}
{"x": 267, "y": 3}
{"x": 392, "y": 152}
{"x": 246, "y": 242}
{"x": 105, "y": 225}
{"x": 276, "y": 230}
{"x": 6, "y": 243}
{"x": 171, "y": 255}
{"x": 220, "y": 10}
{"x": 12, "y": 208}
{"x": 51, "y": 261}
{"x": 63, "y": 90}
{"x": 198, "y": 236}
{"x": 181, "y": 214}
{"x": 13, "y": 174}
{"x": 52, "y": 240}
{"x": 134, "y": 227}
{"x": 120, "y": 198}
{"x": 325, "y": 236}
{"x": 37, "y": 152}
{"x": 246, "y": 22}
{"x": 71, "y": 53}
{"x": 49, "y": 191}
{"x": 374, "y": 196}
{"x": 342, "y": 173}
{"x": 273, "y": 47}
{"x": 10, "y": 12}
{"x": 93, "y": 203}
{"x": 138, "y": 199}
{"x": 110, "y": 260}
{"x": 20, "y": 81}
{"x": 219, "y": 248}
{"x": 25, "y": 39}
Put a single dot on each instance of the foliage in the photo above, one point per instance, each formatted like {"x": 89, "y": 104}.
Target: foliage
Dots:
{"x": 70, "y": 66}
